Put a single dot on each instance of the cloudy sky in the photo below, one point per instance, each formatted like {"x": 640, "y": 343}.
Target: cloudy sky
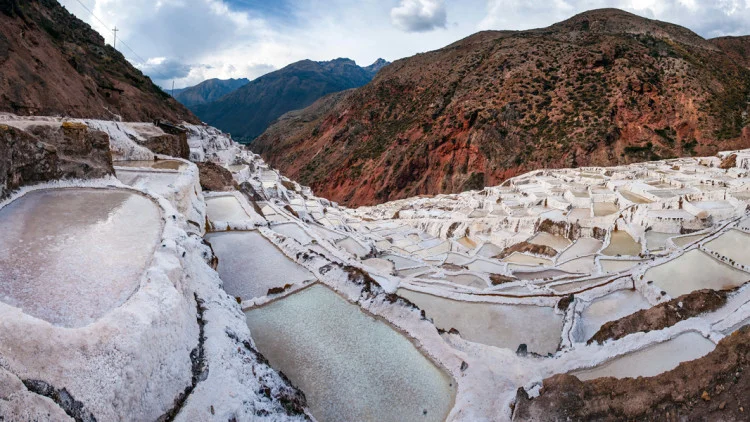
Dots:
{"x": 189, "y": 41}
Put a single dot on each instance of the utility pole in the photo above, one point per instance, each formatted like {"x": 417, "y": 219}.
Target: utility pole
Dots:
{"x": 114, "y": 31}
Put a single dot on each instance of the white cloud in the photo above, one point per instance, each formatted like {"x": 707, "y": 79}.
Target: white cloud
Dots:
{"x": 201, "y": 39}
{"x": 419, "y": 15}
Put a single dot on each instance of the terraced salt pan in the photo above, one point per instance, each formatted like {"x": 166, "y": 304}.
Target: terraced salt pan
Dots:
{"x": 249, "y": 264}
{"x": 692, "y": 271}
{"x": 294, "y": 231}
{"x": 583, "y": 265}
{"x": 159, "y": 183}
{"x": 683, "y": 241}
{"x": 652, "y": 360}
{"x": 522, "y": 258}
{"x": 630, "y": 196}
{"x": 159, "y": 165}
{"x": 469, "y": 280}
{"x": 68, "y": 256}
{"x": 657, "y": 240}
{"x": 609, "y": 308}
{"x": 602, "y": 209}
{"x": 401, "y": 262}
{"x": 225, "y": 208}
{"x": 539, "y": 275}
{"x": 734, "y": 244}
{"x": 353, "y": 247}
{"x": 557, "y": 243}
{"x": 498, "y": 325}
{"x": 351, "y": 366}
{"x": 622, "y": 243}
{"x": 582, "y": 247}
{"x": 618, "y": 265}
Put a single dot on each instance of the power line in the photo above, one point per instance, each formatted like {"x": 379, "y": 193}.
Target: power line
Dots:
{"x": 114, "y": 31}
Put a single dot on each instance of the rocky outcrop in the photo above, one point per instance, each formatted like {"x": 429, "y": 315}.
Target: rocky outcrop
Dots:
{"x": 603, "y": 88}
{"x": 662, "y": 315}
{"x": 54, "y": 64}
{"x": 713, "y": 387}
{"x": 215, "y": 177}
{"x": 50, "y": 152}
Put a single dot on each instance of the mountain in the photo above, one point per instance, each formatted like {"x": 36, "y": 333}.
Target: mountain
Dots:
{"x": 52, "y": 63}
{"x": 602, "y": 88}
{"x": 208, "y": 91}
{"x": 248, "y": 111}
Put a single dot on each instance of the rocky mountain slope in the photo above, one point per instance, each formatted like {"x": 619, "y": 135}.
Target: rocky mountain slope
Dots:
{"x": 604, "y": 87}
{"x": 52, "y": 63}
{"x": 248, "y": 111}
{"x": 208, "y": 91}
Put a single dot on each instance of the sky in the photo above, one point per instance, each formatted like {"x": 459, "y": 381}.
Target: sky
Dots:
{"x": 189, "y": 41}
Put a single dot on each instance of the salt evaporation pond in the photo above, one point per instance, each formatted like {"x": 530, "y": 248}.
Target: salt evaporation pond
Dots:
{"x": 582, "y": 247}
{"x": 294, "y": 231}
{"x": 652, "y": 360}
{"x": 225, "y": 208}
{"x": 621, "y": 243}
{"x": 68, "y": 256}
{"x": 692, "y": 271}
{"x": 609, "y": 308}
{"x": 733, "y": 244}
{"x": 160, "y": 164}
{"x": 351, "y": 366}
{"x": 498, "y": 325}
{"x": 249, "y": 264}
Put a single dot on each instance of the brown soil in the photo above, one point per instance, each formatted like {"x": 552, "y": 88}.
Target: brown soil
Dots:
{"x": 54, "y": 64}
{"x": 662, "y": 315}
{"x": 215, "y": 177}
{"x": 527, "y": 247}
{"x": 715, "y": 387}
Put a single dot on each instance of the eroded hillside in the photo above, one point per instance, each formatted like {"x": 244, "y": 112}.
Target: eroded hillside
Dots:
{"x": 604, "y": 87}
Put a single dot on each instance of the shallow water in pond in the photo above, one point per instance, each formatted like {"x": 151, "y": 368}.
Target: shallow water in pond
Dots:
{"x": 694, "y": 270}
{"x": 652, "y": 360}
{"x": 225, "y": 208}
{"x": 294, "y": 231}
{"x": 602, "y": 209}
{"x": 733, "y": 244}
{"x": 70, "y": 255}
{"x": 351, "y": 366}
{"x": 683, "y": 241}
{"x": 621, "y": 243}
{"x": 249, "y": 264}
{"x": 493, "y": 324}
{"x": 582, "y": 247}
{"x": 609, "y": 308}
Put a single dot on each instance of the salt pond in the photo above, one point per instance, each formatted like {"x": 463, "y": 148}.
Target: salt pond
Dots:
{"x": 608, "y": 308}
{"x": 652, "y": 360}
{"x": 249, "y": 264}
{"x": 733, "y": 244}
{"x": 225, "y": 208}
{"x": 621, "y": 243}
{"x": 70, "y": 255}
{"x": 694, "y": 270}
{"x": 351, "y": 366}
{"x": 498, "y": 325}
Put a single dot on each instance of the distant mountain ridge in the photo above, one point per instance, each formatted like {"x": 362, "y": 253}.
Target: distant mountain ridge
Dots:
{"x": 248, "y": 111}
{"x": 604, "y": 87}
{"x": 208, "y": 91}
{"x": 52, "y": 63}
